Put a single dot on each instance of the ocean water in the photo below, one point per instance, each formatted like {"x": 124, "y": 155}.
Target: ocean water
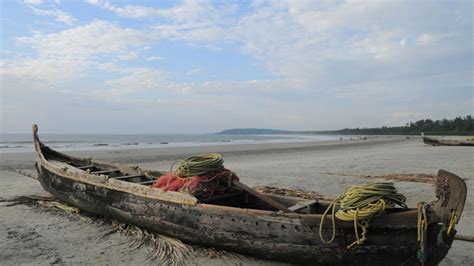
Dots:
{"x": 72, "y": 142}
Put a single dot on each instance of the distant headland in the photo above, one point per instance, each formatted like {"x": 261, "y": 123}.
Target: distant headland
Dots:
{"x": 457, "y": 126}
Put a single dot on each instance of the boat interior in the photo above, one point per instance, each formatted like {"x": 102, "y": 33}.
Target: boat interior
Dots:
{"x": 236, "y": 198}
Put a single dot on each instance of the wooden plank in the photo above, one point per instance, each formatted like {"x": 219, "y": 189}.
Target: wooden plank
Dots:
{"x": 104, "y": 172}
{"x": 264, "y": 198}
{"x": 85, "y": 167}
{"x": 302, "y": 205}
{"x": 147, "y": 182}
{"x": 127, "y": 177}
{"x": 223, "y": 196}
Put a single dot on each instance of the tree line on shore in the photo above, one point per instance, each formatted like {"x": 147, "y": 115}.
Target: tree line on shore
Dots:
{"x": 457, "y": 126}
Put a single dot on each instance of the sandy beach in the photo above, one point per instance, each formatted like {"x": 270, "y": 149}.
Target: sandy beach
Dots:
{"x": 40, "y": 237}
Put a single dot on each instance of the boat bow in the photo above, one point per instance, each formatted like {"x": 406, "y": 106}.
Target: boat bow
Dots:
{"x": 451, "y": 194}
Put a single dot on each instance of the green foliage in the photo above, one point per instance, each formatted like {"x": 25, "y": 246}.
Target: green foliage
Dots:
{"x": 457, "y": 126}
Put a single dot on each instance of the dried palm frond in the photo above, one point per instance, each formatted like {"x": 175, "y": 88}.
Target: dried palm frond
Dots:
{"x": 37, "y": 201}
{"x": 159, "y": 248}
{"x": 218, "y": 253}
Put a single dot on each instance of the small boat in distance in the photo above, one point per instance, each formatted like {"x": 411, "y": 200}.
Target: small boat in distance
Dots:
{"x": 248, "y": 222}
{"x": 447, "y": 142}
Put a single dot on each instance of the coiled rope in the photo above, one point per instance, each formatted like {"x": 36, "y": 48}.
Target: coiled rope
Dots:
{"x": 452, "y": 222}
{"x": 199, "y": 165}
{"x": 360, "y": 204}
{"x": 422, "y": 228}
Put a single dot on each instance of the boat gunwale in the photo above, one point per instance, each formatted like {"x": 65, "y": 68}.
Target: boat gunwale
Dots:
{"x": 404, "y": 219}
{"x": 446, "y": 142}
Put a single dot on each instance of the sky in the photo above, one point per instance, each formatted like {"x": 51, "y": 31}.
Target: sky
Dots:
{"x": 102, "y": 66}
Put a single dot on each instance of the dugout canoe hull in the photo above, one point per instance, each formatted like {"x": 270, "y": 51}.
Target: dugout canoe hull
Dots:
{"x": 443, "y": 142}
{"x": 287, "y": 237}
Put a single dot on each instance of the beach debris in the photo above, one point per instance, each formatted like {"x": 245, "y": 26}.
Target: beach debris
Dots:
{"x": 40, "y": 202}
{"x": 216, "y": 253}
{"x": 33, "y": 200}
{"x": 414, "y": 177}
{"x": 27, "y": 173}
{"x": 166, "y": 250}
{"x": 464, "y": 238}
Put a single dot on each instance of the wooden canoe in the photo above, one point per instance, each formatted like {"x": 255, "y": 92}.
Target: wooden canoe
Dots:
{"x": 447, "y": 142}
{"x": 243, "y": 222}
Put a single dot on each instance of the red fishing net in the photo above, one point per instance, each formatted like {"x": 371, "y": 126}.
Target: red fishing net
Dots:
{"x": 205, "y": 185}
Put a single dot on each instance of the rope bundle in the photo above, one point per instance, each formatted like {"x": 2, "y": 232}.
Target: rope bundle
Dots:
{"x": 200, "y": 165}
{"x": 421, "y": 232}
{"x": 360, "y": 204}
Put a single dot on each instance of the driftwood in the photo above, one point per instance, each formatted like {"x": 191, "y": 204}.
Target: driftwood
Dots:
{"x": 464, "y": 238}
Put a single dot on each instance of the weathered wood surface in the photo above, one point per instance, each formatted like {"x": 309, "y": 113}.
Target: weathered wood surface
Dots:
{"x": 273, "y": 237}
{"x": 290, "y": 237}
{"x": 264, "y": 198}
{"x": 451, "y": 192}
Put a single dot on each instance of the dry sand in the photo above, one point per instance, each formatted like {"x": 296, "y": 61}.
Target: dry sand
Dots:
{"x": 37, "y": 236}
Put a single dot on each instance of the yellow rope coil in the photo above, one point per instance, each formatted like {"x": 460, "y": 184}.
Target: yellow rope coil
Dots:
{"x": 422, "y": 227}
{"x": 200, "y": 164}
{"x": 452, "y": 222}
{"x": 422, "y": 223}
{"x": 360, "y": 204}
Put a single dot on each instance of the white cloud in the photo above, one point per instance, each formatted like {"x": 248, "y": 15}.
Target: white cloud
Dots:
{"x": 95, "y": 38}
{"x": 188, "y": 10}
{"x": 198, "y": 23}
{"x": 406, "y": 116}
{"x": 133, "y": 81}
{"x": 310, "y": 45}
{"x": 129, "y": 56}
{"x": 70, "y": 53}
{"x": 154, "y": 58}
{"x": 33, "y": 2}
{"x": 46, "y": 69}
{"x": 193, "y": 71}
{"x": 385, "y": 61}
{"x": 60, "y": 16}
{"x": 403, "y": 42}
{"x": 429, "y": 39}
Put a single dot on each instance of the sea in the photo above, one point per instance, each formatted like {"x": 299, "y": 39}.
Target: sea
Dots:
{"x": 79, "y": 142}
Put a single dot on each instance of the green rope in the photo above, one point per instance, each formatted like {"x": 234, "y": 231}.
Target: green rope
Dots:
{"x": 359, "y": 204}
{"x": 200, "y": 165}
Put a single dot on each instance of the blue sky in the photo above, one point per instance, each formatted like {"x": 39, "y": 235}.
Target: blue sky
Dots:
{"x": 103, "y": 66}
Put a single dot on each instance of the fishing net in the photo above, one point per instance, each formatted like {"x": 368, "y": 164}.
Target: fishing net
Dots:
{"x": 202, "y": 176}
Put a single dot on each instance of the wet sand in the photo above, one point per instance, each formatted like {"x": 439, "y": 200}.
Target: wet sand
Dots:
{"x": 36, "y": 236}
